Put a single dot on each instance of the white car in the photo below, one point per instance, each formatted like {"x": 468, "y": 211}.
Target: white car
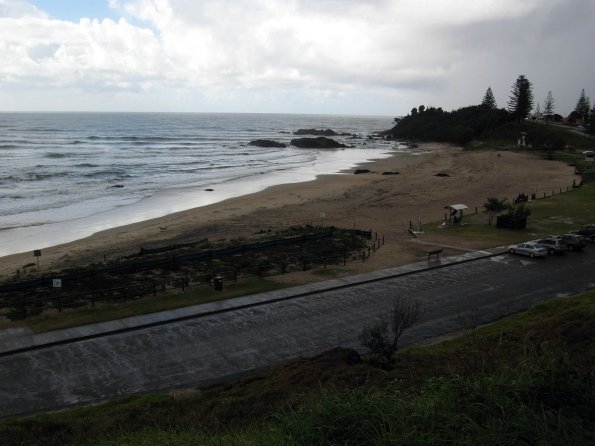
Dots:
{"x": 528, "y": 249}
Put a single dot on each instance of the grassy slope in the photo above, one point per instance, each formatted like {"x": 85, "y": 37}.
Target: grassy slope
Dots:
{"x": 527, "y": 379}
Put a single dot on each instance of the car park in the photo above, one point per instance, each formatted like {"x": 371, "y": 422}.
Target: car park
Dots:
{"x": 587, "y": 231}
{"x": 554, "y": 245}
{"x": 528, "y": 249}
{"x": 574, "y": 241}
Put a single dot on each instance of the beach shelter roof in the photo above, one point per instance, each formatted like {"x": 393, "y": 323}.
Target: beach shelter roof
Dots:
{"x": 456, "y": 207}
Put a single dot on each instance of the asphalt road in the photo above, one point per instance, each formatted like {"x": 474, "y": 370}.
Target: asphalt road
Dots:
{"x": 206, "y": 349}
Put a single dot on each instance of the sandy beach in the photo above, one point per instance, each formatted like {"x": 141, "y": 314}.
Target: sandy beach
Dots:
{"x": 383, "y": 203}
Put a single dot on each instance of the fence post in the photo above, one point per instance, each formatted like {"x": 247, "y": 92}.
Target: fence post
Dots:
{"x": 364, "y": 255}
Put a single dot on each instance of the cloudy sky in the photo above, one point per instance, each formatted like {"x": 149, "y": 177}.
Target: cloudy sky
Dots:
{"x": 369, "y": 57}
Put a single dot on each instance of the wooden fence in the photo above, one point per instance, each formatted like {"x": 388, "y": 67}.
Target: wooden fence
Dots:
{"x": 20, "y": 300}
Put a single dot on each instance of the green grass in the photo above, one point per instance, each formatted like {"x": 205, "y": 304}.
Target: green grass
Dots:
{"x": 107, "y": 312}
{"x": 327, "y": 272}
{"x": 553, "y": 215}
{"x": 508, "y": 134}
{"x": 527, "y": 379}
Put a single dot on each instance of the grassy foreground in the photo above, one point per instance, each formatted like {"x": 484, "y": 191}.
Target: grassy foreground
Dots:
{"x": 527, "y": 379}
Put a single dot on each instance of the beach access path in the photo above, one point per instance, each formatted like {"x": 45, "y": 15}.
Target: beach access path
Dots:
{"x": 205, "y": 344}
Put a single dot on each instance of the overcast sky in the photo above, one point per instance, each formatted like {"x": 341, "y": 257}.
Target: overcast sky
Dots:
{"x": 372, "y": 57}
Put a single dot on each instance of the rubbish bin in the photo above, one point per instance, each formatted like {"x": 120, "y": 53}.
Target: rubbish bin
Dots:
{"x": 218, "y": 282}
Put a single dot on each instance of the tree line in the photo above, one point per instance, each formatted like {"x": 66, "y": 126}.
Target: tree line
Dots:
{"x": 472, "y": 122}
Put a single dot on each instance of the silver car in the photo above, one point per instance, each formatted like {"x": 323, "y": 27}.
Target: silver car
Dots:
{"x": 554, "y": 245}
{"x": 528, "y": 249}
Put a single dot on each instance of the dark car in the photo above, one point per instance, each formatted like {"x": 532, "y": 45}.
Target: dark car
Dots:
{"x": 553, "y": 245}
{"x": 587, "y": 231}
{"x": 574, "y": 241}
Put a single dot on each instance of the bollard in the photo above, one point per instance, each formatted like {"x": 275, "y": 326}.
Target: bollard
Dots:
{"x": 217, "y": 282}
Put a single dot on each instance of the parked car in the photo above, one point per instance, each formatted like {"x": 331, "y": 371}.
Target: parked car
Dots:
{"x": 587, "y": 231}
{"x": 574, "y": 241}
{"x": 553, "y": 245}
{"x": 528, "y": 249}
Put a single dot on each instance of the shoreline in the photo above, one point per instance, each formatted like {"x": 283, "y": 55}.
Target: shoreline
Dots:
{"x": 384, "y": 203}
{"x": 18, "y": 240}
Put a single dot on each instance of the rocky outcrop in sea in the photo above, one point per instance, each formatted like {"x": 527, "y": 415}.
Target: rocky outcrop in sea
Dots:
{"x": 317, "y": 143}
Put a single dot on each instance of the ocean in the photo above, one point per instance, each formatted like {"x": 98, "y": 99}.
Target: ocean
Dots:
{"x": 65, "y": 176}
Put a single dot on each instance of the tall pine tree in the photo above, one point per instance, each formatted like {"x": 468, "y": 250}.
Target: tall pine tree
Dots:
{"x": 521, "y": 98}
{"x": 488, "y": 99}
{"x": 582, "y": 107}
{"x": 549, "y": 107}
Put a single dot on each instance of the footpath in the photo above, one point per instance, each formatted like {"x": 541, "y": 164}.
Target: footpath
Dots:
{"x": 19, "y": 340}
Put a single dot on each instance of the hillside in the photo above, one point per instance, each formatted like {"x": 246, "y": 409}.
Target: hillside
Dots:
{"x": 483, "y": 126}
{"x": 527, "y": 379}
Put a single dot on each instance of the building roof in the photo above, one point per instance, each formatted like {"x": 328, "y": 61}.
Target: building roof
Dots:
{"x": 456, "y": 207}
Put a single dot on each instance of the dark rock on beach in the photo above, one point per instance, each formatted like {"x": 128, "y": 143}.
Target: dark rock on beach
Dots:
{"x": 358, "y": 171}
{"x": 266, "y": 143}
{"x": 390, "y": 173}
{"x": 317, "y": 143}
{"x": 442, "y": 174}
